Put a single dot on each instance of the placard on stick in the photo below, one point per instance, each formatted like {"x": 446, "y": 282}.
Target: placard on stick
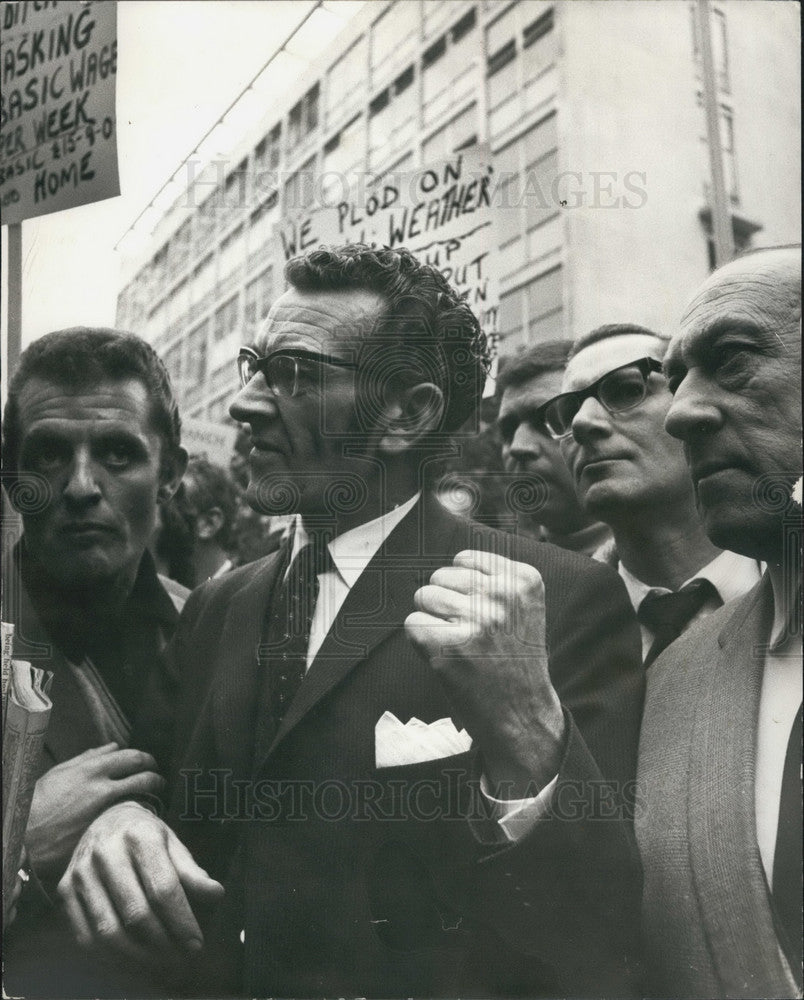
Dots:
{"x": 442, "y": 213}
{"x": 58, "y": 143}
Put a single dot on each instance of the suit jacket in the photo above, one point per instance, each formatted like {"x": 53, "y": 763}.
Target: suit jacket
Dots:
{"x": 346, "y": 879}
{"x": 40, "y": 956}
{"x": 707, "y": 912}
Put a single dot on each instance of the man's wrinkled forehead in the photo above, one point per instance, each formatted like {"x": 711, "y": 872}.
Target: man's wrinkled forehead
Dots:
{"x": 760, "y": 292}
{"x": 758, "y": 287}
{"x": 319, "y": 321}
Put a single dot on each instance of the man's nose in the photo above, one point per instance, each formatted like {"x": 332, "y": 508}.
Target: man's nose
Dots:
{"x": 254, "y": 399}
{"x": 693, "y": 410}
{"x": 524, "y": 444}
{"x": 82, "y": 485}
{"x": 592, "y": 420}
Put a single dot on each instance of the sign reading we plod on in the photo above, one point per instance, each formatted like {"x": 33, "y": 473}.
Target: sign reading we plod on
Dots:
{"x": 58, "y": 144}
{"x": 442, "y": 213}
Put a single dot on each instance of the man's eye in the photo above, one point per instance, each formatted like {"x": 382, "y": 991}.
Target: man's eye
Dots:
{"x": 117, "y": 456}
{"x": 732, "y": 365}
{"x": 47, "y": 457}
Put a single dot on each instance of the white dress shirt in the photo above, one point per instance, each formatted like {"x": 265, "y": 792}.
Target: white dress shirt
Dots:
{"x": 351, "y": 552}
{"x": 779, "y": 702}
{"x": 731, "y": 575}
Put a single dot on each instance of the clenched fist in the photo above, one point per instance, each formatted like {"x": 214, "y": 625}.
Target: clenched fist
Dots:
{"x": 481, "y": 623}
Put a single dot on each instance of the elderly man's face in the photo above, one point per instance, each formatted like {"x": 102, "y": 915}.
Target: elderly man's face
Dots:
{"x": 301, "y": 443}
{"x": 735, "y": 371}
{"x": 623, "y": 463}
{"x": 100, "y": 455}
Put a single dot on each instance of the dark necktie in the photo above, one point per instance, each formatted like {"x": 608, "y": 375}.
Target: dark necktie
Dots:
{"x": 787, "y": 856}
{"x": 667, "y": 615}
{"x": 286, "y": 637}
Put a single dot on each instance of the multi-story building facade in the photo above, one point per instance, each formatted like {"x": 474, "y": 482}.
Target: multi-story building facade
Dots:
{"x": 593, "y": 113}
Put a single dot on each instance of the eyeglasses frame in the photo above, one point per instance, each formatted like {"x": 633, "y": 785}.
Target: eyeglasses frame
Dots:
{"x": 646, "y": 366}
{"x": 260, "y": 364}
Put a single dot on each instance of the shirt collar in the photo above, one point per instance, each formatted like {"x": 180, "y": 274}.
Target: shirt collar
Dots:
{"x": 354, "y": 549}
{"x": 731, "y": 574}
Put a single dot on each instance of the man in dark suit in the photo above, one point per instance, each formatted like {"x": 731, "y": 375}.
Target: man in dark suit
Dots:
{"x": 323, "y": 775}
{"x": 720, "y": 750}
{"x": 91, "y": 448}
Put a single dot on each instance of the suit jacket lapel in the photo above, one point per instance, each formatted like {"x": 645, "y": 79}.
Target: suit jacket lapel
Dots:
{"x": 236, "y": 696}
{"x": 727, "y": 868}
{"x": 378, "y": 603}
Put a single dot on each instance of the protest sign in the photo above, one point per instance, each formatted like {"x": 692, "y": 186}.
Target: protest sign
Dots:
{"x": 214, "y": 441}
{"x": 442, "y": 213}
{"x": 58, "y": 143}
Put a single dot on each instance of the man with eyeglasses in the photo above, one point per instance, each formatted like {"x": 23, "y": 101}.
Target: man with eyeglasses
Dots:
{"x": 329, "y": 695}
{"x": 720, "y": 748}
{"x": 525, "y": 384}
{"x": 632, "y": 475}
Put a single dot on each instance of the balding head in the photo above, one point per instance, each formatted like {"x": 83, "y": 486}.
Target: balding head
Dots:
{"x": 735, "y": 371}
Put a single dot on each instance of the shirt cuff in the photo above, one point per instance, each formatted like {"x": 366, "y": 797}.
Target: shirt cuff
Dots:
{"x": 517, "y": 817}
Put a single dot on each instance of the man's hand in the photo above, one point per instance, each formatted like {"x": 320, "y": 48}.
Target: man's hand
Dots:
{"x": 72, "y": 794}
{"x": 481, "y": 622}
{"x": 132, "y": 886}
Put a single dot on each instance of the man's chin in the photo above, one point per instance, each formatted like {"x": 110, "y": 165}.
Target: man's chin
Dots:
{"x": 273, "y": 495}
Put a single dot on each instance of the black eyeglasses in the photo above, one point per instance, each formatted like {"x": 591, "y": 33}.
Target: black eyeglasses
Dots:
{"x": 619, "y": 390}
{"x": 286, "y": 372}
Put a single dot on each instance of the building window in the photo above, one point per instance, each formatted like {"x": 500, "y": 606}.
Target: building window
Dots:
{"x": 502, "y": 57}
{"x": 347, "y": 83}
{"x": 434, "y": 53}
{"x": 196, "y": 367}
{"x": 257, "y": 302}
{"x": 463, "y": 26}
{"x": 403, "y": 81}
{"x": 532, "y": 313}
{"x": 393, "y": 39}
{"x": 266, "y": 155}
{"x": 526, "y": 170}
{"x": 448, "y": 83}
{"x": 537, "y": 29}
{"x": 226, "y": 319}
{"x": 300, "y": 189}
{"x": 303, "y": 118}
{"x": 392, "y": 117}
{"x": 460, "y": 133}
{"x": 380, "y": 102}
{"x": 180, "y": 245}
{"x": 343, "y": 156}
{"x": 234, "y": 188}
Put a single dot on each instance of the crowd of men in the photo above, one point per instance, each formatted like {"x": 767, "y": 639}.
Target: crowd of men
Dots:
{"x": 406, "y": 753}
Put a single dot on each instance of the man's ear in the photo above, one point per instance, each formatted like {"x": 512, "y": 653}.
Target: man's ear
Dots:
{"x": 171, "y": 474}
{"x": 411, "y": 414}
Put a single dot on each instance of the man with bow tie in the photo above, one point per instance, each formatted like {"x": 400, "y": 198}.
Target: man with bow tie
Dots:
{"x": 405, "y": 741}
{"x": 720, "y": 750}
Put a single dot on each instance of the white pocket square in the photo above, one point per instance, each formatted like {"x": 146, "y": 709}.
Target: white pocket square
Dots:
{"x": 416, "y": 741}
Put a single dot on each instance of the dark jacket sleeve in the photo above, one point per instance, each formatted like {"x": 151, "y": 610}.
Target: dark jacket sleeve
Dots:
{"x": 563, "y": 903}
